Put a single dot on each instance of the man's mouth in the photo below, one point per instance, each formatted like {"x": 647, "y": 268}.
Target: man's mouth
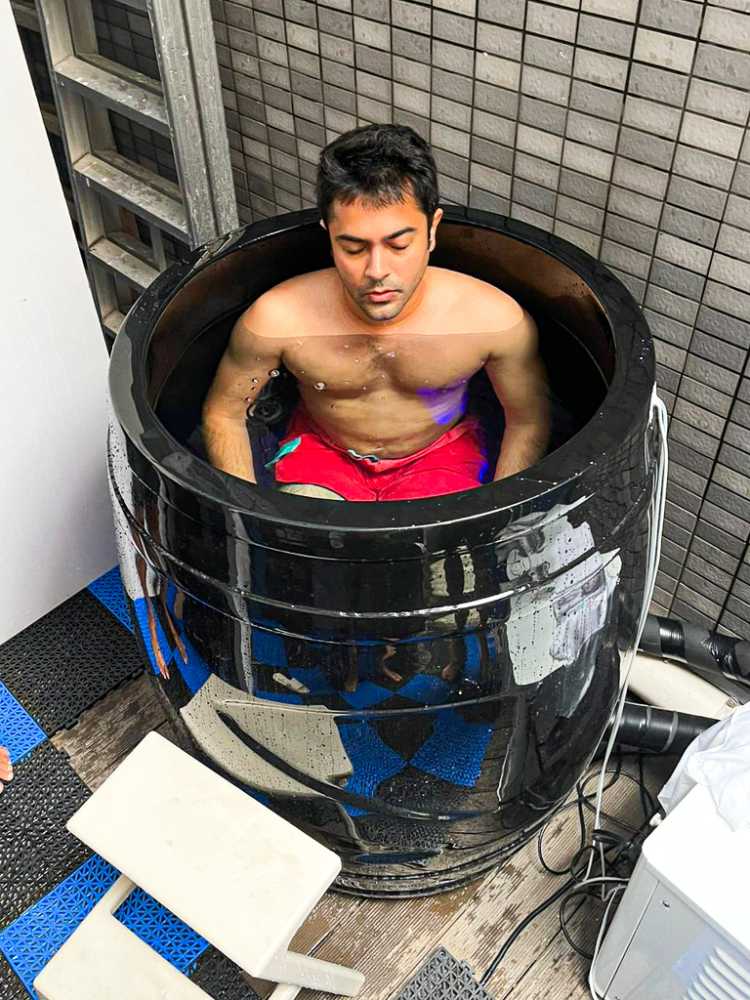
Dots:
{"x": 381, "y": 295}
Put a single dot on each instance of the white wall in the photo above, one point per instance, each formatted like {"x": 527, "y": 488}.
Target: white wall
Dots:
{"x": 55, "y": 523}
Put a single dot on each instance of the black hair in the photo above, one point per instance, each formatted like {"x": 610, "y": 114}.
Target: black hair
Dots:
{"x": 379, "y": 163}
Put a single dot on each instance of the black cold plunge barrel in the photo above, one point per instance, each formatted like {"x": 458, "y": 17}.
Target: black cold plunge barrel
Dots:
{"x": 416, "y": 684}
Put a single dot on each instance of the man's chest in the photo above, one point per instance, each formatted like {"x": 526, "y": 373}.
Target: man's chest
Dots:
{"x": 406, "y": 362}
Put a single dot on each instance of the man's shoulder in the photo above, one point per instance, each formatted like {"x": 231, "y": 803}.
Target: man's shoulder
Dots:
{"x": 290, "y": 302}
{"x": 476, "y": 297}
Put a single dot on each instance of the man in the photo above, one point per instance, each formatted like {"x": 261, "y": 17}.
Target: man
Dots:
{"x": 382, "y": 345}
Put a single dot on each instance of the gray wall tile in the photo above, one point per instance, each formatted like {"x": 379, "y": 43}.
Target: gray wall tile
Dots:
{"x": 645, "y": 148}
{"x": 625, "y": 10}
{"x": 658, "y": 84}
{"x": 690, "y": 194}
{"x": 702, "y": 166}
{"x": 488, "y": 202}
{"x": 534, "y": 196}
{"x": 706, "y": 133}
{"x": 492, "y": 127}
{"x": 596, "y": 100}
{"x": 689, "y": 225}
{"x": 608, "y": 71}
{"x": 679, "y": 16}
{"x": 722, "y": 66}
{"x": 583, "y": 187}
{"x": 412, "y": 16}
{"x": 412, "y": 46}
{"x": 546, "y": 86}
{"x": 658, "y": 119}
{"x": 542, "y": 114}
{"x": 605, "y": 35}
{"x": 509, "y": 12}
{"x": 491, "y": 154}
{"x": 445, "y": 84}
{"x": 453, "y": 28}
{"x": 719, "y": 101}
{"x": 453, "y": 58}
{"x": 591, "y": 131}
{"x": 551, "y": 22}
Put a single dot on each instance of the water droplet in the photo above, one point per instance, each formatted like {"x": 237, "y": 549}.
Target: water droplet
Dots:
{"x": 364, "y": 388}
{"x": 391, "y": 354}
{"x": 254, "y": 381}
{"x": 320, "y": 386}
{"x": 274, "y": 372}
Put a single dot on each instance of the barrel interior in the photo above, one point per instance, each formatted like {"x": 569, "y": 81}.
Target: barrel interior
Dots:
{"x": 576, "y": 342}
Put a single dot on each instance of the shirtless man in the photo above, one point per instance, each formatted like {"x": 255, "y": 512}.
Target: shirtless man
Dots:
{"x": 382, "y": 345}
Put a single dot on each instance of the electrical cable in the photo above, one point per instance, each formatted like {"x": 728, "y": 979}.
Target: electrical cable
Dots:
{"x": 604, "y": 842}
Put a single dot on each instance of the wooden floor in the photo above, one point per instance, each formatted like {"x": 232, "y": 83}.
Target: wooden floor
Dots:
{"x": 388, "y": 940}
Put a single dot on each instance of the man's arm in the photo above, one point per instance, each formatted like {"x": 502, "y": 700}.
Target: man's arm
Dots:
{"x": 520, "y": 383}
{"x": 243, "y": 371}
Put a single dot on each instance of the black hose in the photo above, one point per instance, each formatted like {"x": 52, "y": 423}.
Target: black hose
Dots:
{"x": 709, "y": 652}
{"x": 659, "y": 730}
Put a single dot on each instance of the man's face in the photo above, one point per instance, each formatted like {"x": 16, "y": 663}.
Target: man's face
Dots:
{"x": 381, "y": 254}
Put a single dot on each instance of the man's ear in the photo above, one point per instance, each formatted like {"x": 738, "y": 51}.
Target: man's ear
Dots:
{"x": 433, "y": 228}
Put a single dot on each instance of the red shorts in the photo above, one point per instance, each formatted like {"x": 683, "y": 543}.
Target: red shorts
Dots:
{"x": 454, "y": 462}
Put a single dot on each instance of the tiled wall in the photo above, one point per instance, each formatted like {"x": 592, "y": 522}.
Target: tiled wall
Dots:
{"x": 621, "y": 125}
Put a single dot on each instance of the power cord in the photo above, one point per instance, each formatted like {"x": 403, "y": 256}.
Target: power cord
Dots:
{"x": 612, "y": 850}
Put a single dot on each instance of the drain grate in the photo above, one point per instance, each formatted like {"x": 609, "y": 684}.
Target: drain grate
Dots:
{"x": 442, "y": 977}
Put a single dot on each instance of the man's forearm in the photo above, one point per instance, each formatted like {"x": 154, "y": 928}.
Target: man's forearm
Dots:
{"x": 522, "y": 446}
{"x": 228, "y": 447}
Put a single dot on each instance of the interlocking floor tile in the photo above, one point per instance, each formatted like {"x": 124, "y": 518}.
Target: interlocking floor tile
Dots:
{"x": 11, "y": 987}
{"x": 18, "y": 731}
{"x": 109, "y": 591}
{"x": 67, "y": 661}
{"x": 442, "y": 977}
{"x": 36, "y": 851}
{"x": 220, "y": 977}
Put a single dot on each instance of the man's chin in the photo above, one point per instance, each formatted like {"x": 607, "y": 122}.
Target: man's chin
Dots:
{"x": 382, "y": 313}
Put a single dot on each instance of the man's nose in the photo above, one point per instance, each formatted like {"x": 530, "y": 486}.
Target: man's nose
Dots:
{"x": 376, "y": 265}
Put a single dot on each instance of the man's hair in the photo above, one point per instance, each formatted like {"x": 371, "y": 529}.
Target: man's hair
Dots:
{"x": 381, "y": 164}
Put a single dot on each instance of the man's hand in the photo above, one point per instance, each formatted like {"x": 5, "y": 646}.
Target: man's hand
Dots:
{"x": 250, "y": 360}
{"x": 6, "y": 768}
{"x": 520, "y": 383}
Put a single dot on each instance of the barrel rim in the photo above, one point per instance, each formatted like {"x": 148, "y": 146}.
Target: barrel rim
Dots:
{"x": 579, "y": 458}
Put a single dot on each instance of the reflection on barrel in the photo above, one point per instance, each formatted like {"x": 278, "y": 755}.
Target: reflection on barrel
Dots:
{"x": 417, "y": 689}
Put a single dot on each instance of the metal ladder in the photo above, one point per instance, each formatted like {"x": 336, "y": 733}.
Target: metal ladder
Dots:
{"x": 111, "y": 192}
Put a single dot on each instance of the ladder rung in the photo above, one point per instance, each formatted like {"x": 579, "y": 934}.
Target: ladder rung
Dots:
{"x": 139, "y": 5}
{"x": 140, "y": 190}
{"x": 50, "y": 119}
{"x": 112, "y": 322}
{"x": 25, "y": 15}
{"x": 122, "y": 262}
{"x": 123, "y": 91}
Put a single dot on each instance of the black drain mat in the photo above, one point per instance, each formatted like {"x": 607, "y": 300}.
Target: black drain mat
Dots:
{"x": 220, "y": 977}
{"x": 10, "y": 985}
{"x": 67, "y": 661}
{"x": 442, "y": 977}
{"x": 36, "y": 851}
